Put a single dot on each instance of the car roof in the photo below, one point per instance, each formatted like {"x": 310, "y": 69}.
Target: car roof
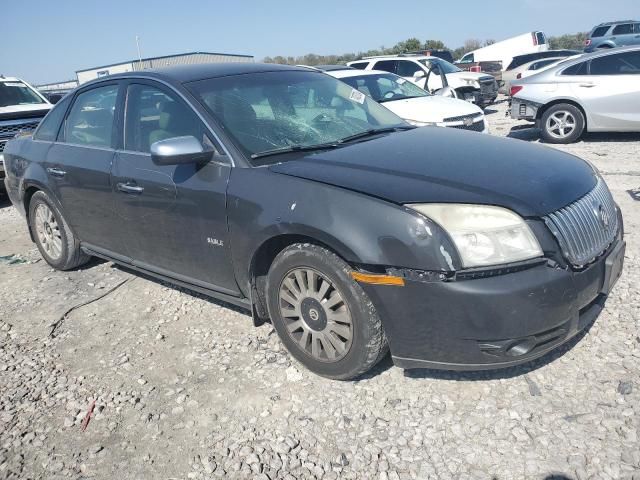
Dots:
{"x": 331, "y": 68}
{"x": 604, "y": 52}
{"x": 10, "y": 79}
{"x": 354, "y": 72}
{"x": 617, "y": 22}
{"x": 192, "y": 73}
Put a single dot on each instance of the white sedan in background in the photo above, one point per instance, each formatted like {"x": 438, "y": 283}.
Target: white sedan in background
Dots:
{"x": 410, "y": 102}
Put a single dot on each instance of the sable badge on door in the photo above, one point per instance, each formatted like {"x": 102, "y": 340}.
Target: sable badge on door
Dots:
{"x": 215, "y": 242}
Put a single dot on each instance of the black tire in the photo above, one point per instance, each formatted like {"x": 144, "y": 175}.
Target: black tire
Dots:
{"x": 70, "y": 255}
{"x": 368, "y": 343}
{"x": 551, "y": 132}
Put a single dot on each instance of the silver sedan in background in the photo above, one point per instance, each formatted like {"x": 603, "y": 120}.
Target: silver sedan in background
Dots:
{"x": 596, "y": 92}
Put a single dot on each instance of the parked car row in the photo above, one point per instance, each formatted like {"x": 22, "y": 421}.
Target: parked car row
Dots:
{"x": 431, "y": 73}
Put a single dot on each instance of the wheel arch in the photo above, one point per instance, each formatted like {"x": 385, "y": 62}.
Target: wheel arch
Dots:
{"x": 268, "y": 250}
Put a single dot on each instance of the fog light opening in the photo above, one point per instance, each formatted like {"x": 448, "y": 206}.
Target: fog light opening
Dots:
{"x": 521, "y": 347}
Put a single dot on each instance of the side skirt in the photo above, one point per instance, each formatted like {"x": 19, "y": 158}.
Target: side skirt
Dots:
{"x": 125, "y": 262}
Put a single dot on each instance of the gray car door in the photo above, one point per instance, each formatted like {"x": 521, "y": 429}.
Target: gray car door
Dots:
{"x": 611, "y": 92}
{"x": 173, "y": 217}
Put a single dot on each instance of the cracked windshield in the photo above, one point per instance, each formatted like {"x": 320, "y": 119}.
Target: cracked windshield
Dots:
{"x": 280, "y": 110}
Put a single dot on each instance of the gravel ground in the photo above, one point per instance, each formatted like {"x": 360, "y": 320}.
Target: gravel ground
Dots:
{"x": 185, "y": 387}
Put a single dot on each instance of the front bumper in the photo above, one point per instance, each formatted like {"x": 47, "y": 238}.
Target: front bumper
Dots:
{"x": 495, "y": 321}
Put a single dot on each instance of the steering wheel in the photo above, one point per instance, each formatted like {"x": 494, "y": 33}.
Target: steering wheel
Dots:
{"x": 390, "y": 94}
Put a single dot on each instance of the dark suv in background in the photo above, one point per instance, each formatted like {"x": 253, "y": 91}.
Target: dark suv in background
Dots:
{"x": 613, "y": 34}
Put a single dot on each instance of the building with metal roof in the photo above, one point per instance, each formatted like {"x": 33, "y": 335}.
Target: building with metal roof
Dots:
{"x": 191, "y": 58}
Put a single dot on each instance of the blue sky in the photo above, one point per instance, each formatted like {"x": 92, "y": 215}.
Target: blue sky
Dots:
{"x": 47, "y": 41}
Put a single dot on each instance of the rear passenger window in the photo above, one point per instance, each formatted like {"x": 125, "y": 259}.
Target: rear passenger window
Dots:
{"x": 49, "y": 127}
{"x": 624, "y": 29}
{"x": 627, "y": 63}
{"x": 600, "y": 32}
{"x": 577, "y": 69}
{"x": 153, "y": 115}
{"x": 90, "y": 121}
{"x": 386, "y": 66}
{"x": 406, "y": 68}
{"x": 359, "y": 65}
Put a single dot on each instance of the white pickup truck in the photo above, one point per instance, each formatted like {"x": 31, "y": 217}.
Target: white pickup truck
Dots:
{"x": 21, "y": 110}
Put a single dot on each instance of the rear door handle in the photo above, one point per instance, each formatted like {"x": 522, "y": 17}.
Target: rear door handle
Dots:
{"x": 130, "y": 188}
{"x": 587, "y": 85}
{"x": 56, "y": 172}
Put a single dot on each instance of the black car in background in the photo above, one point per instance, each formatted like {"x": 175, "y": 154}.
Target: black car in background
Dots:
{"x": 285, "y": 191}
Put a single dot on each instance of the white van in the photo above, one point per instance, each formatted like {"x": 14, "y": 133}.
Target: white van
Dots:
{"x": 504, "y": 51}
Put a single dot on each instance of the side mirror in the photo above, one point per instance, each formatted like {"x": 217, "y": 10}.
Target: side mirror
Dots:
{"x": 179, "y": 151}
{"x": 418, "y": 74}
{"x": 447, "y": 92}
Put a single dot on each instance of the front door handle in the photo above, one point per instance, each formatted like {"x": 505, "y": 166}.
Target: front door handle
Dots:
{"x": 56, "y": 172}
{"x": 130, "y": 188}
{"x": 587, "y": 85}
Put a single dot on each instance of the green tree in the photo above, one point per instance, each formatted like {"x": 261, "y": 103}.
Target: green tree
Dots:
{"x": 570, "y": 41}
{"x": 434, "y": 45}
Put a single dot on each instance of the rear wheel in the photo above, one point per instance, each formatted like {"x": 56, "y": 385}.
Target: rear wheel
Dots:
{"x": 323, "y": 317}
{"x": 562, "y": 123}
{"x": 55, "y": 240}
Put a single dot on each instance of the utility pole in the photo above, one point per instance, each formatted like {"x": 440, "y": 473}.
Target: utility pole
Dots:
{"x": 139, "y": 56}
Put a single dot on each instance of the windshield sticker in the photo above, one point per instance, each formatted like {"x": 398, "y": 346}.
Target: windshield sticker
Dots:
{"x": 357, "y": 96}
{"x": 400, "y": 81}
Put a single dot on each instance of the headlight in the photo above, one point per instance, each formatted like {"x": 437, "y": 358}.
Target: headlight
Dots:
{"x": 471, "y": 83}
{"x": 416, "y": 123}
{"x": 484, "y": 235}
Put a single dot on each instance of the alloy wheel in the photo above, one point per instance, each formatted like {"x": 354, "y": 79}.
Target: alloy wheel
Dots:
{"x": 316, "y": 315}
{"x": 48, "y": 231}
{"x": 561, "y": 124}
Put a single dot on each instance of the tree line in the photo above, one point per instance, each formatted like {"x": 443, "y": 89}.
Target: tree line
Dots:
{"x": 569, "y": 41}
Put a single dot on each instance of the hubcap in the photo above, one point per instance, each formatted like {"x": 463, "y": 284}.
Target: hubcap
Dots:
{"x": 48, "y": 231}
{"x": 315, "y": 314}
{"x": 561, "y": 124}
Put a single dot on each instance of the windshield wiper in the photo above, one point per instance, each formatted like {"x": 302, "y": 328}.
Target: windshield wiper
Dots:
{"x": 294, "y": 148}
{"x": 375, "y": 131}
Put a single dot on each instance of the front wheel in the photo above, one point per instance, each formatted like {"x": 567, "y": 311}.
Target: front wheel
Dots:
{"x": 562, "y": 123}
{"x": 323, "y": 317}
{"x": 57, "y": 244}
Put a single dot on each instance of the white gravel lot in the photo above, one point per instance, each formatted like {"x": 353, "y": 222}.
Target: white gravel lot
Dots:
{"x": 186, "y": 387}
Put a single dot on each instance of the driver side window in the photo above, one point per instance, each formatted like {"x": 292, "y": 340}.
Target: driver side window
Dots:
{"x": 153, "y": 115}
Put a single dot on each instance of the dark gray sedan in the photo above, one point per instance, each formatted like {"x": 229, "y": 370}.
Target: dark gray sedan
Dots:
{"x": 288, "y": 192}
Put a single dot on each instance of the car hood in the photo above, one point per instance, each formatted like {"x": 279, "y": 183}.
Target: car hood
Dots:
{"x": 431, "y": 109}
{"x": 13, "y": 112}
{"x": 445, "y": 165}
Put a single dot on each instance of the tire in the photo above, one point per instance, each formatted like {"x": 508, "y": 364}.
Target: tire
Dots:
{"x": 58, "y": 245}
{"x": 329, "y": 324}
{"x": 562, "y": 123}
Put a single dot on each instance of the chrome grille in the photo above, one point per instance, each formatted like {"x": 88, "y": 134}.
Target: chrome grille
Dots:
{"x": 474, "y": 127}
{"x": 11, "y": 129}
{"x": 586, "y": 227}
{"x": 462, "y": 118}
